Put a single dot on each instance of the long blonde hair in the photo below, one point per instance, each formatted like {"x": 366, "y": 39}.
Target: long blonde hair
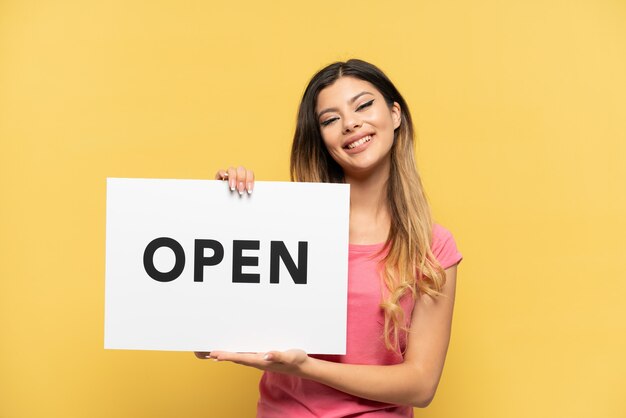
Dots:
{"x": 409, "y": 266}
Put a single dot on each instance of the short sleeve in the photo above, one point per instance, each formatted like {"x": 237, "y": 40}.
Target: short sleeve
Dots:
{"x": 444, "y": 247}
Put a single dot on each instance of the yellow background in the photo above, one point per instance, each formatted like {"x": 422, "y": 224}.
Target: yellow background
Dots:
{"x": 520, "y": 109}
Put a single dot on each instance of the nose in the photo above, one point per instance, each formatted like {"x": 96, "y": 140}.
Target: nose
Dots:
{"x": 351, "y": 123}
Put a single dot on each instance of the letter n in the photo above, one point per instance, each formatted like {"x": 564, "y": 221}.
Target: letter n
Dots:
{"x": 279, "y": 252}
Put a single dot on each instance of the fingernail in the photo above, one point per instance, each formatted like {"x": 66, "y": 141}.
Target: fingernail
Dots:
{"x": 240, "y": 188}
{"x": 231, "y": 183}
{"x": 267, "y": 357}
{"x": 249, "y": 188}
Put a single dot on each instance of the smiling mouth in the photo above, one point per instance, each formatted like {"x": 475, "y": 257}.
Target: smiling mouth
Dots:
{"x": 361, "y": 141}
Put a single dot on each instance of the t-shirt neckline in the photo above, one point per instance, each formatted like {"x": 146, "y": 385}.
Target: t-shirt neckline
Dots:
{"x": 366, "y": 248}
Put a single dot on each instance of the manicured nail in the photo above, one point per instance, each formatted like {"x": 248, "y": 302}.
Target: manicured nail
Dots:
{"x": 231, "y": 183}
{"x": 249, "y": 188}
{"x": 267, "y": 357}
{"x": 240, "y": 188}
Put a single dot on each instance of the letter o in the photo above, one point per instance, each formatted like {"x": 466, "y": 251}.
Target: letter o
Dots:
{"x": 148, "y": 259}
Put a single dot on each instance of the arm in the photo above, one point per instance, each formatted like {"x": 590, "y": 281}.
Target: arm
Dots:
{"x": 412, "y": 382}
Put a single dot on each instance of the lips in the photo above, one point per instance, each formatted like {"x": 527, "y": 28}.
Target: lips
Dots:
{"x": 357, "y": 141}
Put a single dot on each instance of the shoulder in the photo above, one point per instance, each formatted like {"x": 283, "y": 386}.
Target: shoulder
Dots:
{"x": 444, "y": 247}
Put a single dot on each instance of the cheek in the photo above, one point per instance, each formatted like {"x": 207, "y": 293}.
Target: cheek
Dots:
{"x": 331, "y": 146}
{"x": 325, "y": 142}
{"x": 330, "y": 139}
{"x": 375, "y": 119}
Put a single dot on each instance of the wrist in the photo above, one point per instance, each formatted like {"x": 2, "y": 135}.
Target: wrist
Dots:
{"x": 307, "y": 368}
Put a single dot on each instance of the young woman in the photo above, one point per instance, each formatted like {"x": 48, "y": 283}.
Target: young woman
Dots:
{"x": 354, "y": 126}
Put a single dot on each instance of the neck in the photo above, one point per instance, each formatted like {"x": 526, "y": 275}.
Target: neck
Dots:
{"x": 368, "y": 193}
{"x": 369, "y": 211}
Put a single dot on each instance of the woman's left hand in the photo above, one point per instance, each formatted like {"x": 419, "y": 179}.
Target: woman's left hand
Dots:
{"x": 289, "y": 361}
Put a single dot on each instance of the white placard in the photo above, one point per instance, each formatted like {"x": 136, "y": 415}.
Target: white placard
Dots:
{"x": 170, "y": 287}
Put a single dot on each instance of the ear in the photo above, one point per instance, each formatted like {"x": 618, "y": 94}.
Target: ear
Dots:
{"x": 396, "y": 115}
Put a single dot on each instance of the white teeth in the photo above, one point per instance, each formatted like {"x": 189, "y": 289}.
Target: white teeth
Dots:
{"x": 360, "y": 142}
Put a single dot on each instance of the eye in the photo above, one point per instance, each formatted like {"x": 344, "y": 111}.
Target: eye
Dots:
{"x": 328, "y": 121}
{"x": 366, "y": 104}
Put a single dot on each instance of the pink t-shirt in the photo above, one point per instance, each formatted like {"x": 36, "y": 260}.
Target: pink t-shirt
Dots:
{"x": 283, "y": 395}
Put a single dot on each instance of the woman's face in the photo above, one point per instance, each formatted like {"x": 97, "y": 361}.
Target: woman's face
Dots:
{"x": 357, "y": 125}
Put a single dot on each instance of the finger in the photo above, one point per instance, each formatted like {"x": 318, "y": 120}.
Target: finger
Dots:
{"x": 284, "y": 357}
{"x": 247, "y": 359}
{"x": 241, "y": 179}
{"x": 249, "y": 181}
{"x": 203, "y": 355}
{"x": 223, "y": 355}
{"x": 232, "y": 178}
{"x": 221, "y": 175}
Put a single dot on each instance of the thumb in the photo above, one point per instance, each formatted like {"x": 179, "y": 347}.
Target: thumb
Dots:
{"x": 274, "y": 356}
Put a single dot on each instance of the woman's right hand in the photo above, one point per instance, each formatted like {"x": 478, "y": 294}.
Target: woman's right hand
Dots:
{"x": 238, "y": 178}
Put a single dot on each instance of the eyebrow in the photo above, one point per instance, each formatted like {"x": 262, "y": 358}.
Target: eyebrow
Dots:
{"x": 352, "y": 100}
